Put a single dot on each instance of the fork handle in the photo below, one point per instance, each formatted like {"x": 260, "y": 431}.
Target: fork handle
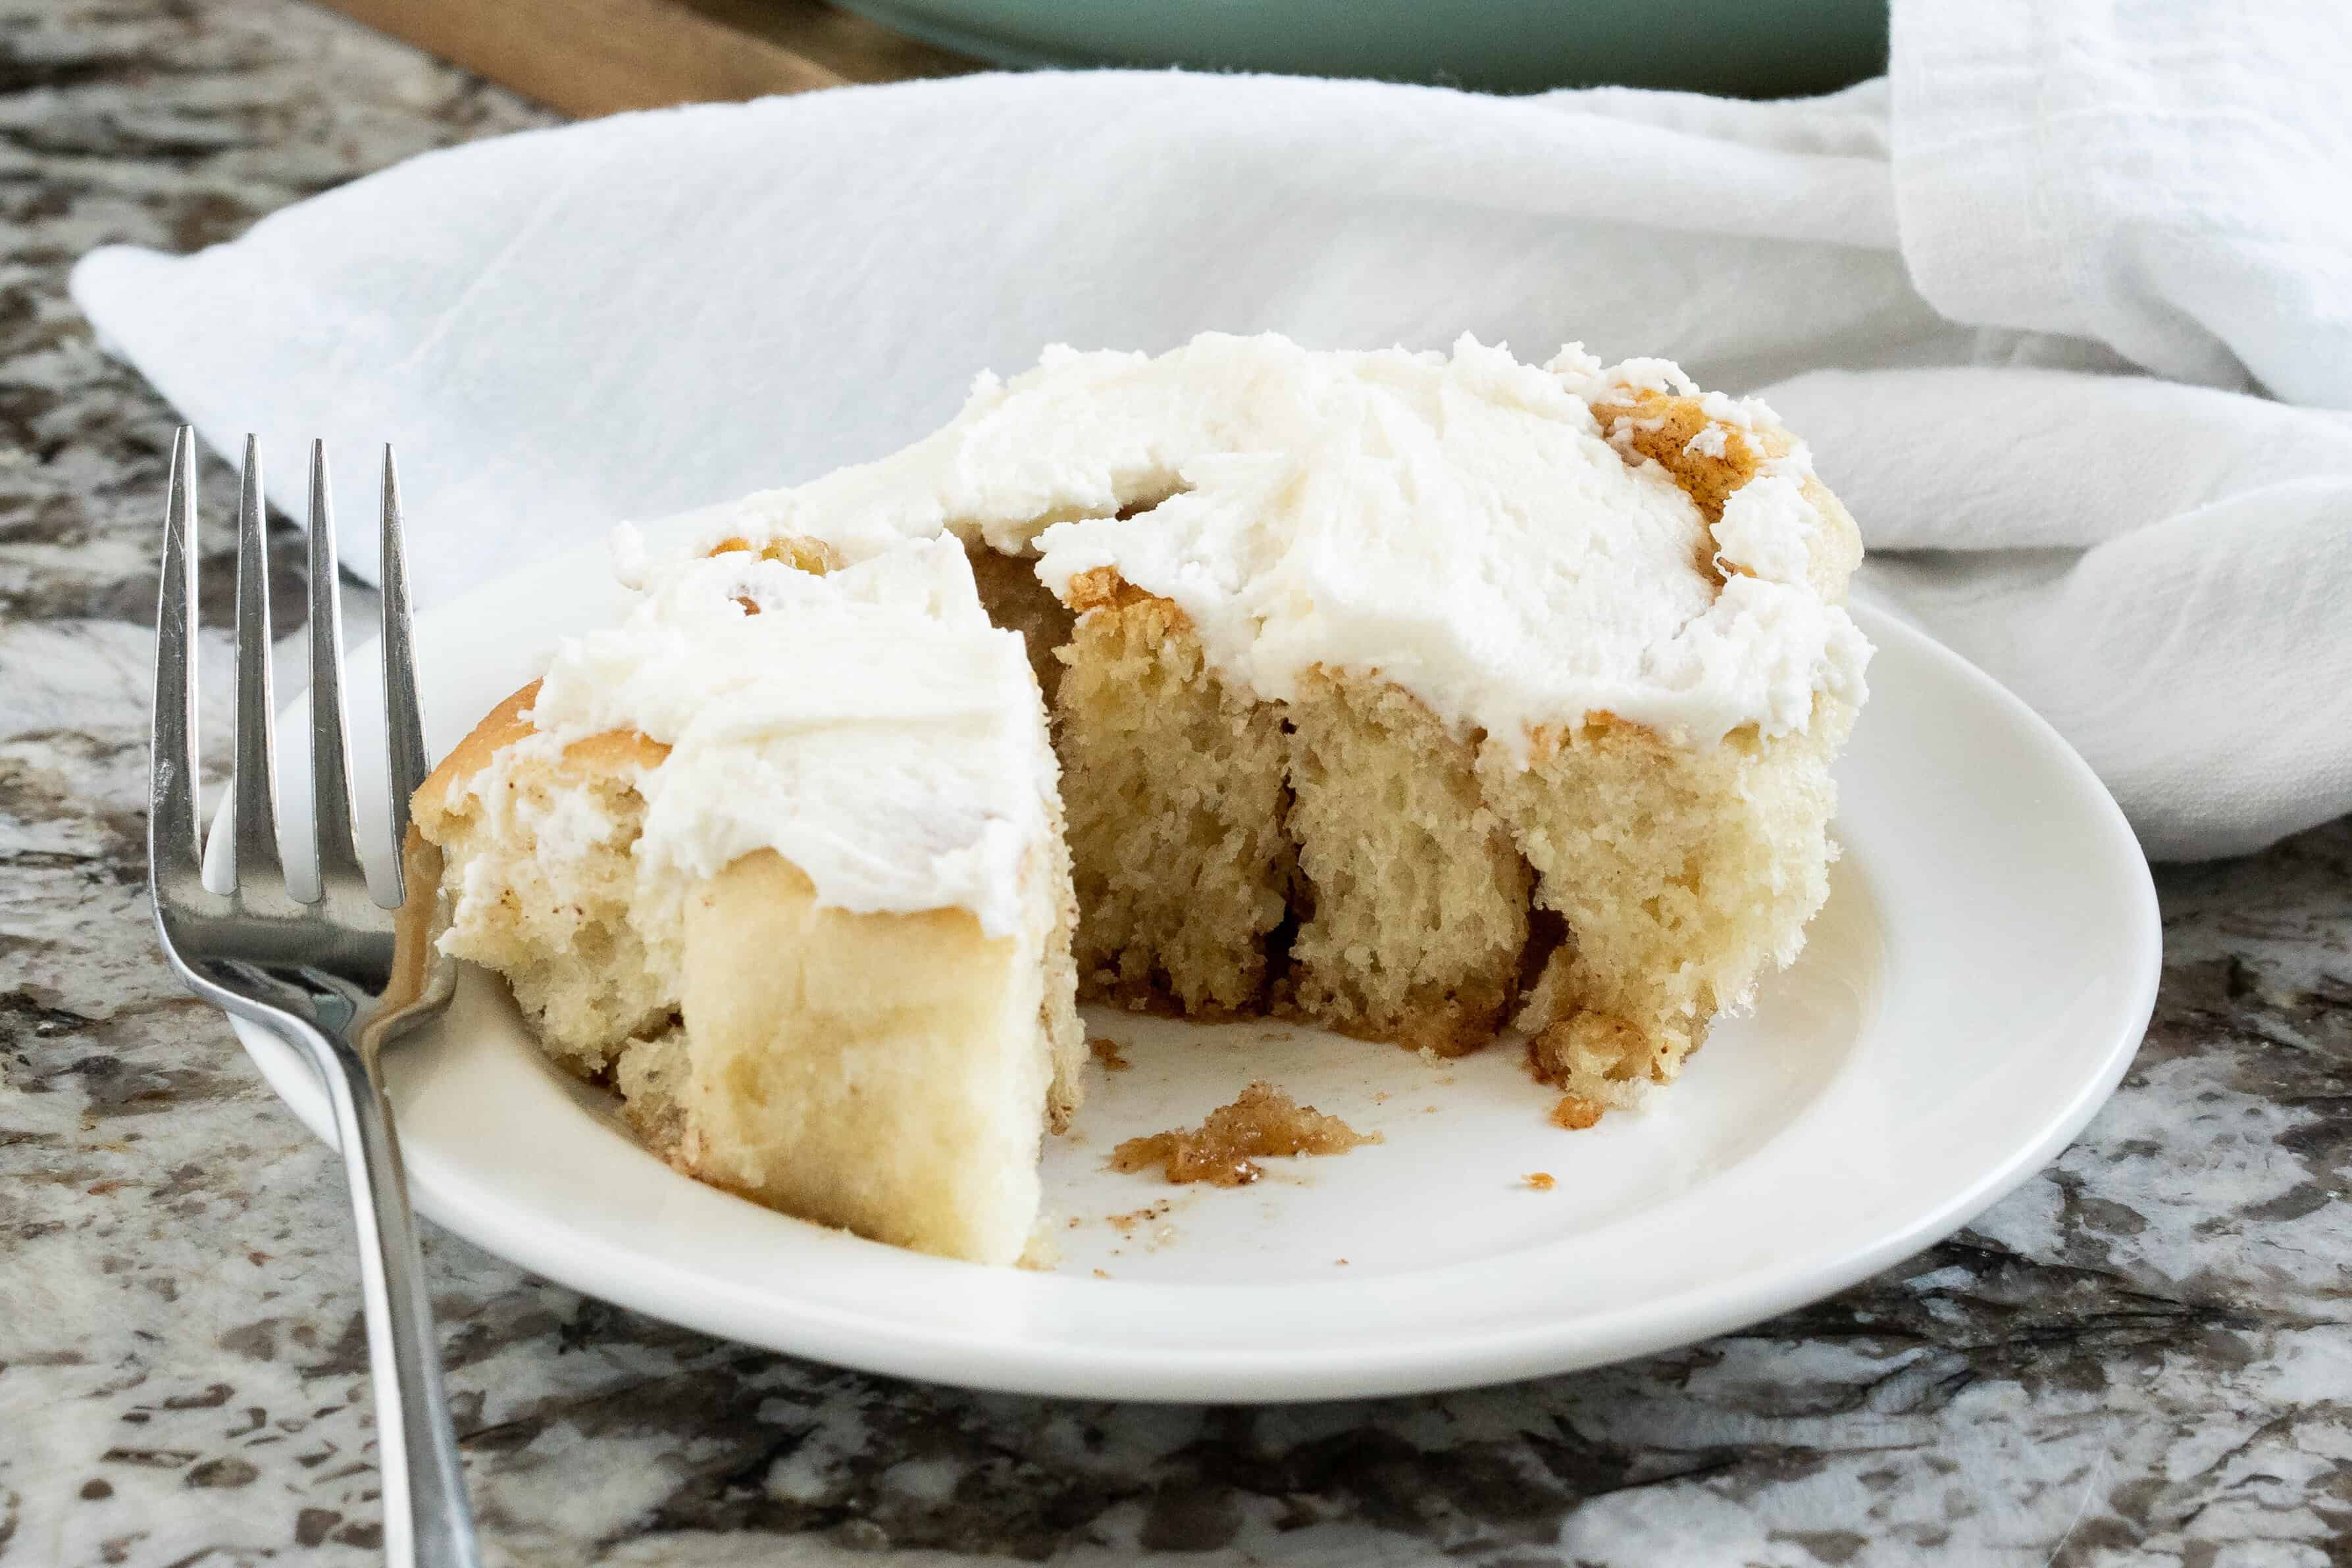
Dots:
{"x": 426, "y": 1522}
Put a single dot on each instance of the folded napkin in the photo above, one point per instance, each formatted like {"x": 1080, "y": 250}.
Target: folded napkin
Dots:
{"x": 1961, "y": 284}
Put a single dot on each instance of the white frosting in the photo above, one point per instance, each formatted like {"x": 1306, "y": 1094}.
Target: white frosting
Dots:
{"x": 1459, "y": 524}
{"x": 869, "y": 726}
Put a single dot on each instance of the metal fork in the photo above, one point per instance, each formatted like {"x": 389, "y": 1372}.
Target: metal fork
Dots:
{"x": 341, "y": 976}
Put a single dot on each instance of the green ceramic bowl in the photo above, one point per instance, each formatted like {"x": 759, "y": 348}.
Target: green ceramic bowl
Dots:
{"x": 1756, "y": 50}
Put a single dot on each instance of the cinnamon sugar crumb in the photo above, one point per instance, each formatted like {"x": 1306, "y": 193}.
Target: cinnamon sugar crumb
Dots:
{"x": 1102, "y": 1273}
{"x": 1261, "y": 1122}
{"x": 1577, "y": 1112}
{"x": 1540, "y": 1180}
{"x": 1106, "y": 1051}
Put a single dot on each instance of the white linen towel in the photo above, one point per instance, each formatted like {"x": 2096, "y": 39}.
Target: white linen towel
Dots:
{"x": 1961, "y": 284}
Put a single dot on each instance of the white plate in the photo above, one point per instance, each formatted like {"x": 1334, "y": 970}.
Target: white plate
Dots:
{"x": 1974, "y": 988}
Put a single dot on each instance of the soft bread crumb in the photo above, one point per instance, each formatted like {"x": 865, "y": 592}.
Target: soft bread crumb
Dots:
{"x": 537, "y": 881}
{"x": 1416, "y": 901}
{"x": 1342, "y": 858}
{"x": 1175, "y": 796}
{"x": 1680, "y": 876}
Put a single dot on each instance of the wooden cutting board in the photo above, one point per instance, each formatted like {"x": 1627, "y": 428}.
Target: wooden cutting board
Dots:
{"x": 599, "y": 57}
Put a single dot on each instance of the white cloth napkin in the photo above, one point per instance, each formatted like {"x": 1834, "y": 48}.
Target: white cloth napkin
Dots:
{"x": 634, "y": 315}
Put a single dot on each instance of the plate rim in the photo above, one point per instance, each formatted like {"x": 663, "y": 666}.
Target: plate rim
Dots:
{"x": 1496, "y": 1354}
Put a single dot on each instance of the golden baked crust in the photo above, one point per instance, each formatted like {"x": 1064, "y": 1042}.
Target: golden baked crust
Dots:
{"x": 556, "y": 925}
{"x": 612, "y": 754}
{"x": 814, "y": 557}
{"x": 1102, "y": 587}
{"x": 1661, "y": 426}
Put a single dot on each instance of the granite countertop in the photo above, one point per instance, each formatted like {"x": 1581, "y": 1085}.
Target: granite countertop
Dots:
{"x": 2143, "y": 1355}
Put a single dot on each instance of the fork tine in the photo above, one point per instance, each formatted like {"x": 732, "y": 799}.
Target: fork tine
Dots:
{"x": 174, "y": 856}
{"x": 403, "y": 720}
{"x": 256, "y": 808}
{"x": 331, "y": 762}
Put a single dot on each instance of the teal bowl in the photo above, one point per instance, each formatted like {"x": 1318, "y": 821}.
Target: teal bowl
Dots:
{"x": 1767, "y": 50}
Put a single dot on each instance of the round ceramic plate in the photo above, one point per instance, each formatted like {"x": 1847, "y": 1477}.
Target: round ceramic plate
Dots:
{"x": 1973, "y": 990}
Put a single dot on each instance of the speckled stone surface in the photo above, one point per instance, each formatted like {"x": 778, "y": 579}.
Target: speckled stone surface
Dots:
{"x": 2142, "y": 1356}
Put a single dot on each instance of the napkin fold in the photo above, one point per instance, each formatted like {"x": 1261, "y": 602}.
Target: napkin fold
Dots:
{"x": 2164, "y": 178}
{"x": 2020, "y": 298}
